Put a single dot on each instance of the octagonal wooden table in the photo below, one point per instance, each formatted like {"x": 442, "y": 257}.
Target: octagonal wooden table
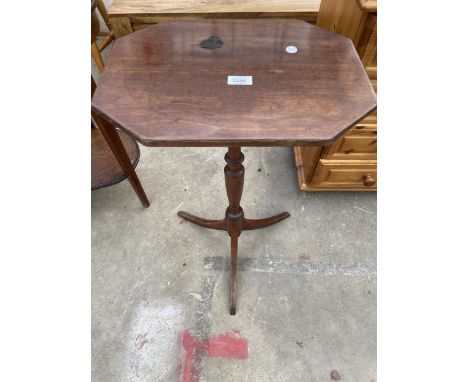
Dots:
{"x": 233, "y": 83}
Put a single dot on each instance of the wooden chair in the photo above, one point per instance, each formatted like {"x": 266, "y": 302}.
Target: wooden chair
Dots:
{"x": 95, "y": 32}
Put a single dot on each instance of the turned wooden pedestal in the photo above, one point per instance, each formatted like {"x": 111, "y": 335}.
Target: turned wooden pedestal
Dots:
{"x": 234, "y": 221}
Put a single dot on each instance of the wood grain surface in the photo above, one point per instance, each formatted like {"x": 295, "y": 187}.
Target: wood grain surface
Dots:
{"x": 125, "y": 7}
{"x": 165, "y": 90}
{"x": 105, "y": 169}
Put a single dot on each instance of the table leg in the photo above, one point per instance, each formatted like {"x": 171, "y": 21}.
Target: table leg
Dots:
{"x": 112, "y": 139}
{"x": 234, "y": 221}
{"x": 234, "y": 236}
{"x": 234, "y": 179}
{"x": 206, "y": 223}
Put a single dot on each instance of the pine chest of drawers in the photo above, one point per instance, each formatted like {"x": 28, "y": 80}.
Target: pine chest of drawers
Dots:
{"x": 350, "y": 162}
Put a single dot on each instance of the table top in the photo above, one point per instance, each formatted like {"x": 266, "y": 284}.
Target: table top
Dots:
{"x": 164, "y": 89}
{"x": 126, "y": 7}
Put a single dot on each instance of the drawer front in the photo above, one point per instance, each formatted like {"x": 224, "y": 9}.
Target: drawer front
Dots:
{"x": 345, "y": 174}
{"x": 359, "y": 143}
{"x": 350, "y": 146}
{"x": 363, "y": 129}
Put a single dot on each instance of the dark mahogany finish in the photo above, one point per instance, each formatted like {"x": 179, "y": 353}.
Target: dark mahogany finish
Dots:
{"x": 111, "y": 136}
{"x": 166, "y": 90}
{"x": 105, "y": 169}
{"x": 163, "y": 88}
{"x": 234, "y": 222}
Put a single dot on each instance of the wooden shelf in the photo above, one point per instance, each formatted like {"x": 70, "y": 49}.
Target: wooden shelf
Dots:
{"x": 105, "y": 170}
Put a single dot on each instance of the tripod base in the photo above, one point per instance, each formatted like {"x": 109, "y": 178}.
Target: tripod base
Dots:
{"x": 222, "y": 224}
{"x": 234, "y": 222}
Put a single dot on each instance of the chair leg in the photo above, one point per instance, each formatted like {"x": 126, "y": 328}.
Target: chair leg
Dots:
{"x": 103, "y": 11}
{"x": 96, "y": 54}
{"x": 108, "y": 39}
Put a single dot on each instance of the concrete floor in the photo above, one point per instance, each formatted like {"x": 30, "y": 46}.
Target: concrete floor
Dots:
{"x": 306, "y": 286}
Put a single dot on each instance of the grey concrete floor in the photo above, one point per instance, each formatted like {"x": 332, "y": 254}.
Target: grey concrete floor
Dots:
{"x": 306, "y": 286}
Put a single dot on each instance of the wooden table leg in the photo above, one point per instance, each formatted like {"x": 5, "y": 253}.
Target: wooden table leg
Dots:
{"x": 234, "y": 179}
{"x": 234, "y": 221}
{"x": 112, "y": 138}
{"x": 234, "y": 237}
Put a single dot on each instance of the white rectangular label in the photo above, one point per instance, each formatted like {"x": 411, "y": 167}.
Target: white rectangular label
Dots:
{"x": 239, "y": 80}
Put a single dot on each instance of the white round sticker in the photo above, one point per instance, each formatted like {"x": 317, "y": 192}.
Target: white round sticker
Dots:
{"x": 291, "y": 49}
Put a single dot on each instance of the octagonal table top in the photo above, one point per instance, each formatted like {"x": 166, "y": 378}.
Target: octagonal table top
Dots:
{"x": 302, "y": 85}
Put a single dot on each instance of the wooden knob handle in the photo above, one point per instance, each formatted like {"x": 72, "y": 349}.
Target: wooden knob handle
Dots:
{"x": 368, "y": 180}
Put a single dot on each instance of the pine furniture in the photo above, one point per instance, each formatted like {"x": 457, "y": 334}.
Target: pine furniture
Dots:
{"x": 128, "y": 16}
{"x": 350, "y": 162}
{"x": 95, "y": 32}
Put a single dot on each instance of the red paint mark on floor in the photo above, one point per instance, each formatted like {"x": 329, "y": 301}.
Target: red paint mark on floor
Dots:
{"x": 188, "y": 342}
{"x": 228, "y": 345}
